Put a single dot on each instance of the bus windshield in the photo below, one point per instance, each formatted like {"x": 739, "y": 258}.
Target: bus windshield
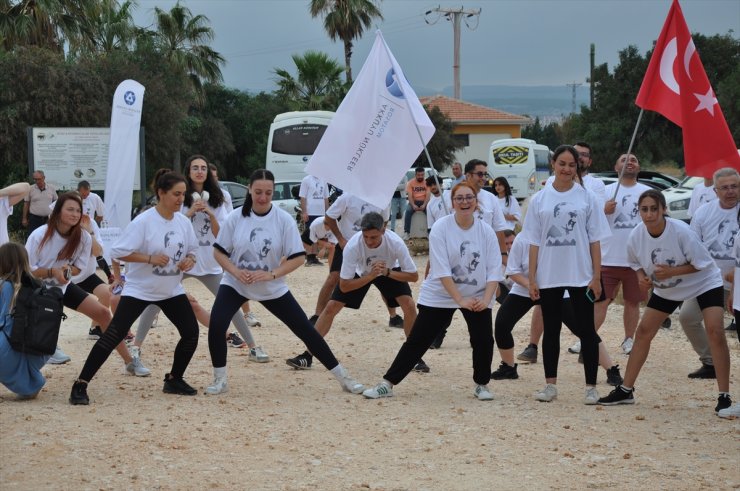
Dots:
{"x": 297, "y": 139}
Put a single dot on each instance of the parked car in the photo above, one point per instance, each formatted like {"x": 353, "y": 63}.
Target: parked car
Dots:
{"x": 286, "y": 195}
{"x": 655, "y": 180}
{"x": 677, "y": 198}
{"x": 237, "y": 191}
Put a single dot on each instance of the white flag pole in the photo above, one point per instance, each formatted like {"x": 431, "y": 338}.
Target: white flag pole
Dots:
{"x": 629, "y": 152}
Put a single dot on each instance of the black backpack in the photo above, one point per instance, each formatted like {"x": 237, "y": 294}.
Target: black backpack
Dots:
{"x": 37, "y": 316}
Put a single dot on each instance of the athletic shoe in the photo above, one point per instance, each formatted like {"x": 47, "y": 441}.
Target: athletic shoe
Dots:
{"x": 78, "y": 396}
{"x": 177, "y": 386}
{"x": 592, "y": 397}
{"x": 576, "y": 348}
{"x": 218, "y": 386}
{"x": 59, "y": 357}
{"x": 529, "y": 355}
{"x": 666, "y": 324}
{"x": 349, "y": 384}
{"x": 94, "y": 333}
{"x": 505, "y": 371}
{"x": 723, "y": 402}
{"x": 395, "y": 321}
{"x": 731, "y": 327}
{"x": 437, "y": 343}
{"x": 258, "y": 354}
{"x": 235, "y": 341}
{"x": 421, "y": 367}
{"x": 129, "y": 338}
{"x": 482, "y": 393}
{"x": 137, "y": 368}
{"x": 613, "y": 377}
{"x": 732, "y": 412}
{"x": 627, "y": 346}
{"x": 252, "y": 320}
{"x": 619, "y": 395}
{"x": 313, "y": 319}
{"x": 314, "y": 261}
{"x": 301, "y": 362}
{"x": 380, "y": 390}
{"x": 705, "y": 371}
{"x": 548, "y": 394}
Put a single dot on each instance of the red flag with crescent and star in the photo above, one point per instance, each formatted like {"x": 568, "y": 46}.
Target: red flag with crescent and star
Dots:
{"x": 676, "y": 86}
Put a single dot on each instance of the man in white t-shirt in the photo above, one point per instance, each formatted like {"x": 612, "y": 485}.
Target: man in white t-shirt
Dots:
{"x": 92, "y": 204}
{"x": 476, "y": 172}
{"x": 702, "y": 193}
{"x": 436, "y": 206}
{"x": 10, "y": 196}
{"x": 591, "y": 183}
{"x": 314, "y": 196}
{"x": 716, "y": 224}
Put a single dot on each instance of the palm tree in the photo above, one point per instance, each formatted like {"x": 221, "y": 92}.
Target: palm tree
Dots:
{"x": 110, "y": 27}
{"x": 44, "y": 23}
{"x": 317, "y": 86}
{"x": 346, "y": 20}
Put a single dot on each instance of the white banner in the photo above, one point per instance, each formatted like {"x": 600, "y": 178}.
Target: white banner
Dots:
{"x": 372, "y": 140}
{"x": 125, "y": 121}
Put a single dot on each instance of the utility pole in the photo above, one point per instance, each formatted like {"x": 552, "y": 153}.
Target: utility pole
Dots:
{"x": 456, "y": 16}
{"x": 574, "y": 86}
{"x": 591, "y": 74}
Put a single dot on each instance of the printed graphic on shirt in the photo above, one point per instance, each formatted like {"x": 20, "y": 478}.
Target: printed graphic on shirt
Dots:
{"x": 174, "y": 246}
{"x": 721, "y": 247}
{"x": 663, "y": 257}
{"x": 631, "y": 220}
{"x": 254, "y": 258}
{"x": 366, "y": 208}
{"x": 202, "y": 227}
{"x": 564, "y": 222}
{"x": 463, "y": 271}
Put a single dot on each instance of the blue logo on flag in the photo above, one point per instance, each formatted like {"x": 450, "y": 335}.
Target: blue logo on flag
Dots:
{"x": 129, "y": 98}
{"x": 391, "y": 83}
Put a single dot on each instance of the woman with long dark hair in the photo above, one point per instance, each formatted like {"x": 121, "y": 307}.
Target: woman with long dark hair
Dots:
{"x": 509, "y": 204}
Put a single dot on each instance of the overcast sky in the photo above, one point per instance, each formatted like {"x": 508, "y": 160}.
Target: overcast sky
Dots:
{"x": 516, "y": 42}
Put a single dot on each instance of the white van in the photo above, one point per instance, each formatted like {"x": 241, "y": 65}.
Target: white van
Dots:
{"x": 293, "y": 138}
{"x": 523, "y": 162}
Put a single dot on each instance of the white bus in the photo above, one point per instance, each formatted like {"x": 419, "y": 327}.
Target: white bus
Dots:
{"x": 523, "y": 162}
{"x": 293, "y": 138}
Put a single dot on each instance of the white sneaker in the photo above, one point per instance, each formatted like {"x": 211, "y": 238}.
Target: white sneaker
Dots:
{"x": 136, "y": 367}
{"x": 548, "y": 394}
{"x": 349, "y": 384}
{"x": 252, "y": 320}
{"x": 576, "y": 348}
{"x": 731, "y": 412}
{"x": 218, "y": 386}
{"x": 482, "y": 393}
{"x": 380, "y": 390}
{"x": 59, "y": 357}
{"x": 258, "y": 354}
{"x": 592, "y": 397}
{"x": 627, "y": 346}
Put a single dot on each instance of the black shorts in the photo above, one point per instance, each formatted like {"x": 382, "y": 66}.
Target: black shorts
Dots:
{"x": 90, "y": 283}
{"x": 710, "y": 298}
{"x": 388, "y": 287}
{"x": 74, "y": 296}
{"x": 336, "y": 262}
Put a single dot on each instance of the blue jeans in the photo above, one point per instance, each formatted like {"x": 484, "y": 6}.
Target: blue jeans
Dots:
{"x": 407, "y": 217}
{"x": 396, "y": 208}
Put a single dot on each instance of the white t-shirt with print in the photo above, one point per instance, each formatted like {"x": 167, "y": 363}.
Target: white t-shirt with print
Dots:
{"x": 151, "y": 233}
{"x": 512, "y": 208}
{"x": 201, "y": 223}
{"x": 317, "y": 231}
{"x": 470, "y": 257}
{"x": 228, "y": 205}
{"x": 92, "y": 264}
{"x": 258, "y": 243}
{"x": 351, "y": 210}
{"x": 626, "y": 216}
{"x": 717, "y": 227}
{"x": 596, "y": 186}
{"x": 315, "y": 190}
{"x": 489, "y": 210}
{"x": 47, "y": 256}
{"x": 518, "y": 263}
{"x": 676, "y": 246}
{"x": 93, "y": 205}
{"x": 358, "y": 258}
{"x": 699, "y": 195}
{"x": 5, "y": 211}
{"x": 436, "y": 210}
{"x": 563, "y": 225}
{"x": 736, "y": 288}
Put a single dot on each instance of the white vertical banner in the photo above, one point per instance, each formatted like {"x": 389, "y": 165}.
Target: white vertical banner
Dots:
{"x": 373, "y": 138}
{"x": 125, "y": 121}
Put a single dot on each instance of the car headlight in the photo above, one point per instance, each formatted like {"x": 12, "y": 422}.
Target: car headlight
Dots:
{"x": 681, "y": 204}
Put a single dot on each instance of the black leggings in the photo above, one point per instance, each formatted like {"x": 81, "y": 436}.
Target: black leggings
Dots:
{"x": 583, "y": 327}
{"x": 429, "y": 323}
{"x": 513, "y": 309}
{"x": 178, "y": 311}
{"x": 285, "y": 308}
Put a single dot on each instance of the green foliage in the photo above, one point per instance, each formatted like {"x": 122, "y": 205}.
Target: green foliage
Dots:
{"x": 443, "y": 145}
{"x": 316, "y": 86}
{"x": 551, "y": 134}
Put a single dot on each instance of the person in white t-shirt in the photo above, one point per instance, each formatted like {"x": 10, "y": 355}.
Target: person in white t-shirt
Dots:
{"x": 715, "y": 222}
{"x": 92, "y": 204}
{"x": 702, "y": 193}
{"x": 464, "y": 275}
{"x": 668, "y": 257}
{"x": 319, "y": 233}
{"x": 10, "y": 196}
{"x": 157, "y": 246}
{"x": 588, "y": 181}
{"x": 314, "y": 196}
{"x": 257, "y": 247}
{"x": 565, "y": 225}
{"x": 204, "y": 206}
{"x": 489, "y": 209}
{"x": 436, "y": 206}
{"x": 509, "y": 205}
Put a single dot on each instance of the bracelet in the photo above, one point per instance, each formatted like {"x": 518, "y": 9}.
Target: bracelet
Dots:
{"x": 504, "y": 253}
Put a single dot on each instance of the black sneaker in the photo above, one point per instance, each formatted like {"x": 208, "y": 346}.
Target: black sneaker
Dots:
{"x": 421, "y": 367}
{"x": 78, "y": 396}
{"x": 313, "y": 319}
{"x": 723, "y": 402}
{"x": 177, "y": 386}
{"x": 619, "y": 395}
{"x": 732, "y": 326}
{"x": 705, "y": 371}
{"x": 301, "y": 362}
{"x": 613, "y": 377}
{"x": 529, "y": 355}
{"x": 666, "y": 324}
{"x": 505, "y": 371}
{"x": 437, "y": 343}
{"x": 94, "y": 333}
{"x": 395, "y": 321}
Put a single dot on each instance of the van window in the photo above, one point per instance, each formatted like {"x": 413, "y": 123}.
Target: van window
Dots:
{"x": 299, "y": 139}
{"x": 510, "y": 155}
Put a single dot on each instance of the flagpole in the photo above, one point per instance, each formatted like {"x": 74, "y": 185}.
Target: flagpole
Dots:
{"x": 418, "y": 131}
{"x": 629, "y": 152}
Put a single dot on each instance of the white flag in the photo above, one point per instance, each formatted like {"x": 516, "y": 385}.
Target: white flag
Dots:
{"x": 372, "y": 140}
{"x": 125, "y": 121}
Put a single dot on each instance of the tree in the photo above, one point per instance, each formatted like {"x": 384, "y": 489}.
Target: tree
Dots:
{"x": 317, "y": 85}
{"x": 443, "y": 145}
{"x": 44, "y": 23}
{"x": 346, "y": 20}
{"x": 109, "y": 26}
{"x": 550, "y": 134}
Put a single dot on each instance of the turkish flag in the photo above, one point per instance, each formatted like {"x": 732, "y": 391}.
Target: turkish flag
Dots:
{"x": 676, "y": 86}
